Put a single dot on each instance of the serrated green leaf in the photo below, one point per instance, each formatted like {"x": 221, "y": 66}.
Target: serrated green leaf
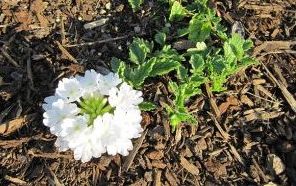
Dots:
{"x": 193, "y": 87}
{"x": 122, "y": 71}
{"x": 182, "y": 73}
{"x": 178, "y": 117}
{"x": 135, "y": 4}
{"x": 182, "y": 32}
{"x": 137, "y": 75}
{"x": 147, "y": 106}
{"x": 115, "y": 63}
{"x": 236, "y": 43}
{"x": 247, "y": 61}
{"x": 229, "y": 54}
{"x": 197, "y": 62}
{"x": 139, "y": 49}
{"x": 160, "y": 38}
{"x": 178, "y": 12}
{"x": 248, "y": 44}
{"x": 217, "y": 64}
{"x": 162, "y": 67}
{"x": 199, "y": 28}
{"x": 173, "y": 87}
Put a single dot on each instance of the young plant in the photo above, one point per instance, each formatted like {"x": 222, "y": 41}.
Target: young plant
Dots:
{"x": 215, "y": 57}
{"x": 213, "y": 63}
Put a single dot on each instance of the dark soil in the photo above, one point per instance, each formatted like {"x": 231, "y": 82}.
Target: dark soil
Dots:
{"x": 252, "y": 142}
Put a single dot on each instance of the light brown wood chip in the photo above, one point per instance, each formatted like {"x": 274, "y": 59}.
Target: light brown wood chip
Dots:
{"x": 191, "y": 168}
{"x": 9, "y": 127}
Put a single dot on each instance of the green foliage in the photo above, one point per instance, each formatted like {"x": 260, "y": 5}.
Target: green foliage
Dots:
{"x": 233, "y": 59}
{"x": 146, "y": 62}
{"x": 147, "y": 106}
{"x": 135, "y": 4}
{"x": 160, "y": 38}
{"x": 139, "y": 49}
{"x": 199, "y": 28}
{"x": 178, "y": 12}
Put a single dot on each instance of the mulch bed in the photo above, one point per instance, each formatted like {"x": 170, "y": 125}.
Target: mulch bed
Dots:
{"x": 248, "y": 139}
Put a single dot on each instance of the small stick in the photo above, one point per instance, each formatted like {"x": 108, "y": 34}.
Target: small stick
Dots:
{"x": 97, "y": 42}
{"x": 64, "y": 51}
{"x": 277, "y": 102}
{"x": 29, "y": 71}
{"x": 157, "y": 177}
{"x": 9, "y": 58}
{"x": 260, "y": 172}
{"x": 224, "y": 134}
{"x": 288, "y": 96}
{"x": 129, "y": 160}
{"x": 15, "y": 180}
{"x": 49, "y": 155}
{"x": 212, "y": 101}
{"x": 63, "y": 37}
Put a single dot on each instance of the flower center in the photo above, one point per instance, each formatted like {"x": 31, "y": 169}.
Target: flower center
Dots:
{"x": 94, "y": 106}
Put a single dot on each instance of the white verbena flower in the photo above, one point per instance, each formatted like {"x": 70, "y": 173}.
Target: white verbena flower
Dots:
{"x": 94, "y": 114}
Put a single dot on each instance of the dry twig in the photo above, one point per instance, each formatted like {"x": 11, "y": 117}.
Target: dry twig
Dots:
{"x": 213, "y": 102}
{"x": 288, "y": 96}
{"x": 130, "y": 158}
{"x": 9, "y": 58}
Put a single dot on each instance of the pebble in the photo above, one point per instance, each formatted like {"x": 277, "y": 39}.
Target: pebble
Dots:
{"x": 96, "y": 23}
{"x": 102, "y": 12}
{"x": 137, "y": 29}
{"x": 108, "y": 6}
{"x": 275, "y": 164}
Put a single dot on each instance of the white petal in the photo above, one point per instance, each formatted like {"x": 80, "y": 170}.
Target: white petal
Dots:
{"x": 107, "y": 82}
{"x": 89, "y": 82}
{"x": 69, "y": 89}
{"x": 125, "y": 97}
{"x": 48, "y": 102}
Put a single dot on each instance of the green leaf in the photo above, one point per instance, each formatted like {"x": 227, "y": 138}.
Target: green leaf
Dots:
{"x": 217, "y": 65}
{"x": 178, "y": 117}
{"x": 178, "y": 12}
{"x": 173, "y": 87}
{"x": 122, "y": 70}
{"x": 182, "y": 73}
{"x": 162, "y": 67}
{"x": 135, "y": 4}
{"x": 147, "y": 106}
{"x": 229, "y": 54}
{"x": 193, "y": 87}
{"x": 199, "y": 28}
{"x": 236, "y": 45}
{"x": 139, "y": 49}
{"x": 115, "y": 64}
{"x": 182, "y": 32}
{"x": 248, "y": 44}
{"x": 160, "y": 38}
{"x": 137, "y": 75}
{"x": 197, "y": 62}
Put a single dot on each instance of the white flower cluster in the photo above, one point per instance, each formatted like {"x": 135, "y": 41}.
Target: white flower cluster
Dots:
{"x": 94, "y": 114}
